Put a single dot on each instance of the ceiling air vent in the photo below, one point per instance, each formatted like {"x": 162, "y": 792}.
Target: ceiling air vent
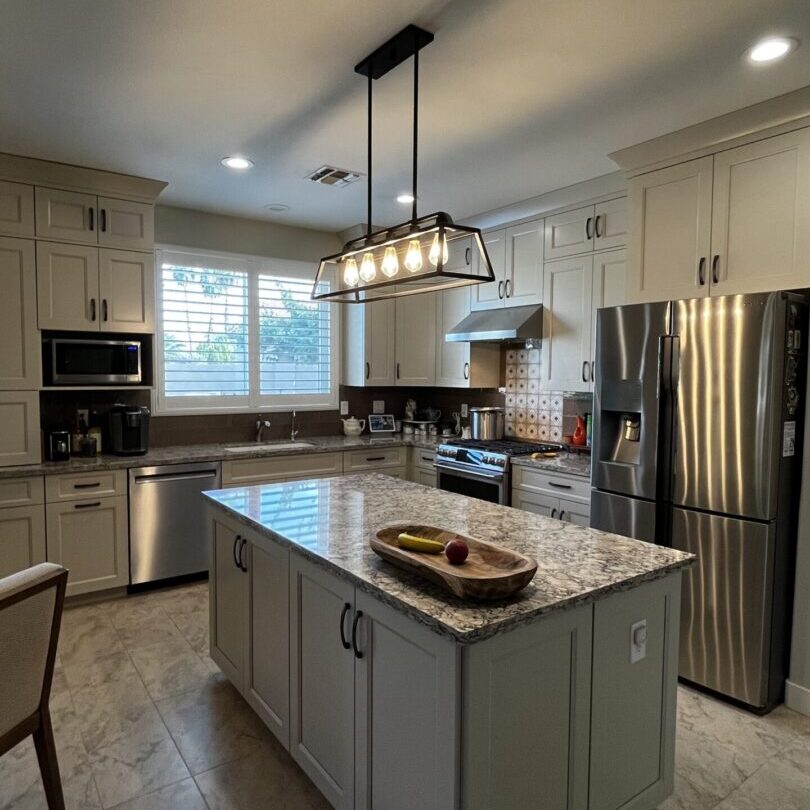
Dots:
{"x": 331, "y": 176}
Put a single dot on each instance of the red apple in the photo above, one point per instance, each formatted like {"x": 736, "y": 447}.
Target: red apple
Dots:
{"x": 456, "y": 551}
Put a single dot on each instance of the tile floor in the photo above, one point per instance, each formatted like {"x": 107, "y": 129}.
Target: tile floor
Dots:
{"x": 144, "y": 721}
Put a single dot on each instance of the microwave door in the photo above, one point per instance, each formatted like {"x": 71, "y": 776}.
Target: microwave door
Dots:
{"x": 95, "y": 362}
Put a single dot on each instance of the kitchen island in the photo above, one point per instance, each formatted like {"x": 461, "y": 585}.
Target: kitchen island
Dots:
{"x": 390, "y": 693}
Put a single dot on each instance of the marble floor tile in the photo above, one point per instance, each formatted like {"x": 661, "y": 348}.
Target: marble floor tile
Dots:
{"x": 169, "y": 668}
{"x": 179, "y": 796}
{"x": 777, "y": 785}
{"x": 267, "y": 781}
{"x": 89, "y": 672}
{"x": 87, "y": 634}
{"x": 187, "y": 599}
{"x": 213, "y": 725}
{"x": 194, "y": 627}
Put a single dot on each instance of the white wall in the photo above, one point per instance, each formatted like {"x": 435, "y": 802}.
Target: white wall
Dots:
{"x": 798, "y": 686}
{"x": 186, "y": 227}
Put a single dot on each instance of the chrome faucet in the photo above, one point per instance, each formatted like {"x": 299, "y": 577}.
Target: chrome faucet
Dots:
{"x": 293, "y": 431}
{"x": 261, "y": 424}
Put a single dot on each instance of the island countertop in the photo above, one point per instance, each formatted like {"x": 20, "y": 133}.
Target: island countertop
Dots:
{"x": 329, "y": 521}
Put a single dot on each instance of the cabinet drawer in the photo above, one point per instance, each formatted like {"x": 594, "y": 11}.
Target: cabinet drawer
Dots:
{"x": 22, "y": 491}
{"x": 423, "y": 459}
{"x": 78, "y": 486}
{"x": 374, "y": 458}
{"x": 571, "y": 487}
{"x": 263, "y": 470}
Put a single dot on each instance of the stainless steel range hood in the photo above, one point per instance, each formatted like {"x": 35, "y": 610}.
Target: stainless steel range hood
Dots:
{"x": 496, "y": 325}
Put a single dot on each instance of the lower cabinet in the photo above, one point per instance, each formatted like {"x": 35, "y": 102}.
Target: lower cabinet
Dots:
{"x": 22, "y": 538}
{"x": 554, "y": 495}
{"x": 91, "y": 539}
{"x": 421, "y": 469}
{"x": 549, "y": 506}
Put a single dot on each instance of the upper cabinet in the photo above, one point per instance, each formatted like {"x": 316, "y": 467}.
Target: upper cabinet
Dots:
{"x": 416, "y": 340}
{"x": 126, "y": 288}
{"x": 592, "y": 227}
{"x": 19, "y": 359}
{"x": 737, "y": 222}
{"x": 68, "y": 216}
{"x": 369, "y": 344}
{"x": 516, "y": 254}
{"x": 16, "y": 209}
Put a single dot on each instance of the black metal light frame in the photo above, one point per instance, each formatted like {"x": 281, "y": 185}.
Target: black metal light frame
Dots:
{"x": 425, "y": 229}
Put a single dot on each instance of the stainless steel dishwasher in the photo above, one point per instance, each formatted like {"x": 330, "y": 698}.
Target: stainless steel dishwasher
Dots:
{"x": 168, "y": 536}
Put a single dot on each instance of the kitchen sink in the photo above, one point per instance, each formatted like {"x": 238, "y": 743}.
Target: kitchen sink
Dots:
{"x": 252, "y": 448}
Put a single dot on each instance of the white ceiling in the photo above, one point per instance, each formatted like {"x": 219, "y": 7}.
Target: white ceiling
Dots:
{"x": 518, "y": 97}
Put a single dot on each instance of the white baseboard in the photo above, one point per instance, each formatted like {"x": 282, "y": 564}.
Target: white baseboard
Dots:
{"x": 797, "y": 697}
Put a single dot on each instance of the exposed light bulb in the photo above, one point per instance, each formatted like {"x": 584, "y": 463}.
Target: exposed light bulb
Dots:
{"x": 413, "y": 258}
{"x": 351, "y": 275}
{"x": 390, "y": 262}
{"x": 405, "y": 198}
{"x": 367, "y": 268}
{"x": 436, "y": 251}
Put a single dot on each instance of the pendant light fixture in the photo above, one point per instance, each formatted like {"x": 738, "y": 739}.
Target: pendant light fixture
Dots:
{"x": 424, "y": 254}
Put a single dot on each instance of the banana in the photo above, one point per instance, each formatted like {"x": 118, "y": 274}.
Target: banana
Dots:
{"x": 413, "y": 543}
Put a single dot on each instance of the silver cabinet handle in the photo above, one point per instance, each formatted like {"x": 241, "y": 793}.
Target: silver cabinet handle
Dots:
{"x": 500, "y": 289}
{"x": 466, "y": 371}
{"x": 701, "y": 271}
{"x": 716, "y": 269}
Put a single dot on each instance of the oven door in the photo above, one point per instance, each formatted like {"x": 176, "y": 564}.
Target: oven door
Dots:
{"x": 486, "y": 486}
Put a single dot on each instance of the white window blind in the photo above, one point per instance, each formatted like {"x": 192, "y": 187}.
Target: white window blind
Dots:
{"x": 242, "y": 334}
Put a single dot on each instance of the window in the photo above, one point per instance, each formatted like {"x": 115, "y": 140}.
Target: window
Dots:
{"x": 237, "y": 333}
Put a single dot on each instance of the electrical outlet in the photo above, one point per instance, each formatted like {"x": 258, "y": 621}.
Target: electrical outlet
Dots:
{"x": 378, "y": 406}
{"x": 638, "y": 641}
{"x": 83, "y": 416}
{"x": 344, "y": 407}
{"x": 465, "y": 411}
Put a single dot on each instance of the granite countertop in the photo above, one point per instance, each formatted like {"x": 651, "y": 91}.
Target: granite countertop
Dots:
{"x": 183, "y": 454}
{"x": 330, "y": 521}
{"x": 568, "y": 463}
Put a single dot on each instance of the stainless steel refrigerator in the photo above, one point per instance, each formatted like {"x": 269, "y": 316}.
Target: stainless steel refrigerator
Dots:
{"x": 698, "y": 422}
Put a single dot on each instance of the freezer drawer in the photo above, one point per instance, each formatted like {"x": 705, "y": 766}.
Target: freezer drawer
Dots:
{"x": 619, "y": 514}
{"x": 167, "y": 529}
{"x": 726, "y": 603}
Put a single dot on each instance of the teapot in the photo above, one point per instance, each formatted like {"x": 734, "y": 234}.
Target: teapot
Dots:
{"x": 353, "y": 427}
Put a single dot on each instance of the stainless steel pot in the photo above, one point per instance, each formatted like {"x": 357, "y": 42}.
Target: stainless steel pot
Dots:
{"x": 486, "y": 423}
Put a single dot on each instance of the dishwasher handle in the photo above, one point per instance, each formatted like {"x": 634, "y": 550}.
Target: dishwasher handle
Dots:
{"x": 146, "y": 479}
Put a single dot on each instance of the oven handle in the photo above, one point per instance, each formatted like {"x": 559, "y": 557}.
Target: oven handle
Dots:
{"x": 468, "y": 473}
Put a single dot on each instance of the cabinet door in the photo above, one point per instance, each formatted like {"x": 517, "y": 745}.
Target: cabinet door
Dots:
{"x": 761, "y": 216}
{"x": 91, "y": 539}
{"x": 322, "y": 680}
{"x": 19, "y": 337}
{"x": 574, "y": 512}
{"x": 452, "y": 359}
{"x": 22, "y": 538}
{"x": 543, "y": 505}
{"x": 126, "y": 282}
{"x": 268, "y": 671}
{"x": 407, "y": 713}
{"x": 566, "y": 349}
{"x": 66, "y": 215}
{"x": 670, "y": 226}
{"x": 569, "y": 233}
{"x": 67, "y": 287}
{"x": 125, "y": 224}
{"x": 610, "y": 224}
{"x": 19, "y": 428}
{"x": 609, "y": 288}
{"x": 416, "y": 339}
{"x": 380, "y": 343}
{"x": 16, "y": 209}
{"x": 426, "y": 478}
{"x": 524, "y": 264}
{"x": 491, "y": 294}
{"x": 228, "y": 606}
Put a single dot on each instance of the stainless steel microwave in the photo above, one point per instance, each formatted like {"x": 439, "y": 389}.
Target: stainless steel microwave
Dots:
{"x": 79, "y": 361}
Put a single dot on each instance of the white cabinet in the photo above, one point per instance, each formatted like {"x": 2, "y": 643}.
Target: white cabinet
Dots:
{"x": 420, "y": 467}
{"x": 761, "y": 216}
{"x": 554, "y": 495}
{"x": 574, "y": 512}
{"x": 67, "y": 287}
{"x": 670, "y": 214}
{"x": 66, "y": 215}
{"x": 16, "y": 209}
{"x": 567, "y": 324}
{"x": 369, "y": 344}
{"x": 406, "y": 712}
{"x": 125, "y": 224}
{"x": 228, "y": 605}
{"x": 19, "y": 428}
{"x": 416, "y": 340}
{"x": 19, "y": 337}
{"x": 322, "y": 727}
{"x": 22, "y": 538}
{"x": 610, "y": 224}
{"x": 516, "y": 254}
{"x": 593, "y": 227}
{"x": 91, "y": 539}
{"x": 126, "y": 288}
{"x": 609, "y": 288}
{"x": 545, "y": 505}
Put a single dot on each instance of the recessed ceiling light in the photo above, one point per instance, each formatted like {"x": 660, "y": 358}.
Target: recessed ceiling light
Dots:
{"x": 405, "y": 198}
{"x": 237, "y": 162}
{"x": 277, "y": 207}
{"x": 771, "y": 49}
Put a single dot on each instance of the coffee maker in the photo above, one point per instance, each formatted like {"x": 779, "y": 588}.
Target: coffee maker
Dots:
{"x": 129, "y": 430}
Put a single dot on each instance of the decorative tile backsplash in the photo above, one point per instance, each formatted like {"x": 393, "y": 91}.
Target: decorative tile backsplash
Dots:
{"x": 531, "y": 412}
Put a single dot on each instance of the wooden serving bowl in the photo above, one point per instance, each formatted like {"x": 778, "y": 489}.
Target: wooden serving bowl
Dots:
{"x": 489, "y": 573}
